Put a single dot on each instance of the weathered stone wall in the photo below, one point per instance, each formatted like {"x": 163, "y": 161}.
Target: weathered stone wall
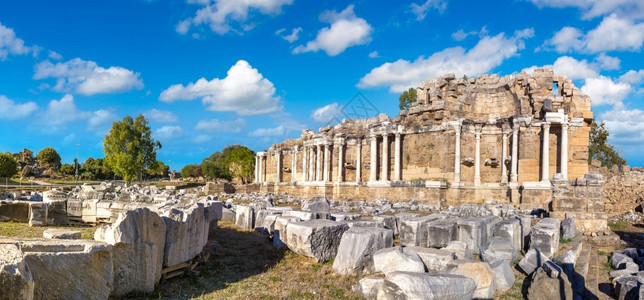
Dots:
{"x": 623, "y": 191}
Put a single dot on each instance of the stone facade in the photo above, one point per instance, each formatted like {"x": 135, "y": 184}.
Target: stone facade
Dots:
{"x": 463, "y": 140}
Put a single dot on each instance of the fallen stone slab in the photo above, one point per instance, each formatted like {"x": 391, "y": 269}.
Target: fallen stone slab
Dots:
{"x": 480, "y": 272}
{"x": 473, "y": 232}
{"x": 441, "y": 232}
{"x": 62, "y": 234}
{"x": 37, "y": 214}
{"x": 411, "y": 285}
{"x": 510, "y": 230}
{"x": 356, "y": 249}
{"x": 279, "y": 232}
{"x": 366, "y": 223}
{"x": 544, "y": 236}
{"x": 460, "y": 249}
{"x": 265, "y": 221}
{"x": 318, "y": 239}
{"x": 526, "y": 227}
{"x": 341, "y": 216}
{"x": 368, "y": 287}
{"x": 302, "y": 215}
{"x": 317, "y": 204}
{"x": 403, "y": 216}
{"x": 532, "y": 260}
{"x": 498, "y": 248}
{"x": 228, "y": 215}
{"x": 245, "y": 217}
{"x": 544, "y": 287}
{"x": 503, "y": 275}
{"x": 413, "y": 232}
{"x": 57, "y": 212}
{"x": 17, "y": 211}
{"x": 15, "y": 276}
{"x": 619, "y": 260}
{"x": 627, "y": 287}
{"x": 186, "y": 234}
{"x": 397, "y": 259}
{"x": 388, "y": 222}
{"x": 568, "y": 230}
{"x": 435, "y": 260}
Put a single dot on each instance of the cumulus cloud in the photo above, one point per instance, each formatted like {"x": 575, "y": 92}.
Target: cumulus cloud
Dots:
{"x": 632, "y": 77}
{"x": 345, "y": 30}
{"x": 215, "y": 125}
{"x": 608, "y": 62}
{"x": 632, "y": 9}
{"x": 612, "y": 34}
{"x": 574, "y": 69}
{"x": 10, "y": 110}
{"x": 55, "y": 55}
{"x": 286, "y": 126}
{"x": 63, "y": 111}
{"x": 488, "y": 53}
{"x": 603, "y": 90}
{"x": 327, "y": 113}
{"x": 460, "y": 34}
{"x": 88, "y": 78}
{"x": 625, "y": 126}
{"x": 10, "y": 44}
{"x": 373, "y": 54}
{"x": 278, "y": 131}
{"x": 101, "y": 119}
{"x": 202, "y": 138}
{"x": 294, "y": 36}
{"x": 244, "y": 90}
{"x": 421, "y": 10}
{"x": 160, "y": 116}
{"x": 170, "y": 133}
{"x": 223, "y": 16}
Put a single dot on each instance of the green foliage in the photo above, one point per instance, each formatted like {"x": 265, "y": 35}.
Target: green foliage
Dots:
{"x": 8, "y": 165}
{"x": 600, "y": 149}
{"x": 234, "y": 161}
{"x": 158, "y": 169}
{"x": 407, "y": 98}
{"x": 49, "y": 158}
{"x": 193, "y": 170}
{"x": 129, "y": 147}
{"x": 67, "y": 169}
{"x": 95, "y": 169}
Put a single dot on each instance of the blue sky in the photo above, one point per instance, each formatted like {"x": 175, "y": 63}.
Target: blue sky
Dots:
{"x": 211, "y": 73}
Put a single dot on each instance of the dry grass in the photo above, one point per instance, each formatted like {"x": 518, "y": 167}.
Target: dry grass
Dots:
{"x": 22, "y": 230}
{"x": 244, "y": 265}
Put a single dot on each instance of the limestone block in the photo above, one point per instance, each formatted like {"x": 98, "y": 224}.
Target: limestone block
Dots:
{"x": 186, "y": 234}
{"x": 61, "y": 234}
{"x": 532, "y": 260}
{"x": 498, "y": 248}
{"x": 356, "y": 249}
{"x": 139, "y": 239}
{"x": 228, "y": 215}
{"x": 413, "y": 232}
{"x": 460, "y": 249}
{"x": 526, "y": 226}
{"x": 317, "y": 204}
{"x": 366, "y": 223}
{"x": 279, "y": 232}
{"x": 473, "y": 232}
{"x": 403, "y": 216}
{"x": 15, "y": 276}
{"x": 510, "y": 230}
{"x": 57, "y": 212}
{"x": 480, "y": 272}
{"x": 37, "y": 214}
{"x": 490, "y": 225}
{"x": 74, "y": 208}
{"x": 441, "y": 232}
{"x": 89, "y": 211}
{"x": 544, "y": 287}
{"x": 503, "y": 275}
{"x": 368, "y": 287}
{"x": 397, "y": 259}
{"x": 410, "y": 285}
{"x": 83, "y": 268}
{"x": 388, "y": 222}
{"x": 627, "y": 287}
{"x": 265, "y": 221}
{"x": 318, "y": 239}
{"x": 17, "y": 211}
{"x": 435, "y": 260}
{"x": 213, "y": 210}
{"x": 341, "y": 216}
{"x": 245, "y": 217}
{"x": 544, "y": 236}
{"x": 568, "y": 228}
{"x": 302, "y": 215}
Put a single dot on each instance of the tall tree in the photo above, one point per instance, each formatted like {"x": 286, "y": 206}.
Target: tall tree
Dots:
{"x": 241, "y": 163}
{"x": 600, "y": 149}
{"x": 49, "y": 158}
{"x": 407, "y": 98}
{"x": 129, "y": 147}
{"x": 8, "y": 165}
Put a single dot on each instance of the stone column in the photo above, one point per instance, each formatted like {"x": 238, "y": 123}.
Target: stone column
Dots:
{"x": 397, "y": 154}
{"x": 317, "y": 163}
{"x": 294, "y": 162}
{"x": 545, "y": 159}
{"x": 457, "y": 154}
{"x": 385, "y": 158}
{"x": 311, "y": 162}
{"x": 341, "y": 161}
{"x": 278, "y": 156}
{"x": 515, "y": 154}
{"x": 304, "y": 161}
{"x": 256, "y": 168}
{"x": 358, "y": 159}
{"x": 373, "y": 169}
{"x": 326, "y": 176}
{"x": 477, "y": 157}
{"x": 261, "y": 168}
{"x": 564, "y": 150}
{"x": 504, "y": 153}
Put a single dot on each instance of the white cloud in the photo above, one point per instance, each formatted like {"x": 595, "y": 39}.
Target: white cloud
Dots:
{"x": 294, "y": 36}
{"x": 346, "y": 30}
{"x": 602, "y": 90}
{"x": 87, "y": 77}
{"x": 63, "y": 111}
{"x": 632, "y": 9}
{"x": 244, "y": 90}
{"x": 55, "y": 55}
{"x": 625, "y": 126}
{"x": 373, "y": 54}
{"x": 278, "y": 131}
{"x": 223, "y": 16}
{"x": 10, "y": 110}
{"x": 421, "y": 10}
{"x": 612, "y": 34}
{"x": 10, "y": 44}
{"x": 608, "y": 62}
{"x": 574, "y": 69}
{"x": 632, "y": 77}
{"x": 460, "y": 34}
{"x": 215, "y": 125}
{"x": 170, "y": 133}
{"x": 286, "y": 127}
{"x": 202, "y": 138}
{"x": 328, "y": 113}
{"x": 100, "y": 119}
{"x": 160, "y": 116}
{"x": 488, "y": 53}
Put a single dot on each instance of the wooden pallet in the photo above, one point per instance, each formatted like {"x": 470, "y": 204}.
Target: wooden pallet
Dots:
{"x": 183, "y": 268}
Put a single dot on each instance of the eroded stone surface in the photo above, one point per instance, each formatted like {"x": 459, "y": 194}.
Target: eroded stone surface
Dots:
{"x": 318, "y": 239}
{"x": 356, "y": 249}
{"x": 428, "y": 286}
{"x": 16, "y": 281}
{"x": 397, "y": 259}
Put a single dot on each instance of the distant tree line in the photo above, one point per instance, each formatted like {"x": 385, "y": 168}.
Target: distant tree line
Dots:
{"x": 234, "y": 162}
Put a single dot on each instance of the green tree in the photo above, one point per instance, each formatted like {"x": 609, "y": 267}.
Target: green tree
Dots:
{"x": 214, "y": 167}
{"x": 407, "y": 98}
{"x": 129, "y": 147}
{"x": 241, "y": 163}
{"x": 158, "y": 169}
{"x": 67, "y": 169}
{"x": 600, "y": 149}
{"x": 193, "y": 170}
{"x": 8, "y": 165}
{"x": 49, "y": 158}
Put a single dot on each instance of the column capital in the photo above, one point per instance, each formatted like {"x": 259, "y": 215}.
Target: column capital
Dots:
{"x": 546, "y": 125}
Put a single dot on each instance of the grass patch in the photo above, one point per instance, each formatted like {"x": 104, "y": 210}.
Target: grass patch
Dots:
{"x": 22, "y": 230}
{"x": 564, "y": 241}
{"x": 617, "y": 225}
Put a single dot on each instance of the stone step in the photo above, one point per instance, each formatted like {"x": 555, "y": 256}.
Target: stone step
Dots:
{"x": 592, "y": 278}
{"x": 580, "y": 275}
